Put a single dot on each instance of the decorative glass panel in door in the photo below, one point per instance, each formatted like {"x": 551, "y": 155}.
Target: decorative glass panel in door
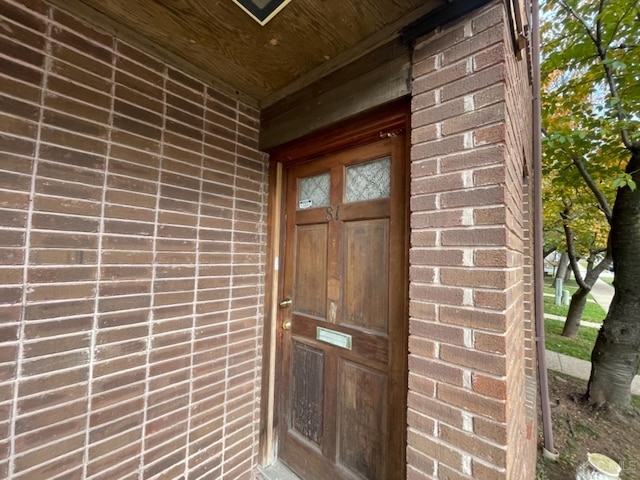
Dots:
{"x": 369, "y": 180}
{"x": 314, "y": 191}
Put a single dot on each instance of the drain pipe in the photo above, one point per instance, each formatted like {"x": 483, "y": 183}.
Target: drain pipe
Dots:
{"x": 548, "y": 450}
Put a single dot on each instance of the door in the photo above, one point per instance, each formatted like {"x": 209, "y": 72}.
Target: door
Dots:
{"x": 343, "y": 316}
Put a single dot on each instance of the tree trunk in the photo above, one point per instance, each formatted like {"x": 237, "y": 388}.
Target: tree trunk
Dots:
{"x": 616, "y": 355}
{"x": 574, "y": 315}
{"x": 579, "y": 298}
{"x": 563, "y": 265}
{"x": 567, "y": 275}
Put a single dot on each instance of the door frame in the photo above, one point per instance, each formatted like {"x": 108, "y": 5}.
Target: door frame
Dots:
{"x": 387, "y": 121}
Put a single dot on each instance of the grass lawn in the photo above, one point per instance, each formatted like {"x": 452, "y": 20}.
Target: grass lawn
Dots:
{"x": 608, "y": 280}
{"x": 571, "y": 285}
{"x": 579, "y": 347}
{"x": 592, "y": 311}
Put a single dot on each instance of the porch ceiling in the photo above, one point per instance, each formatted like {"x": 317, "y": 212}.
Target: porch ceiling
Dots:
{"x": 306, "y": 40}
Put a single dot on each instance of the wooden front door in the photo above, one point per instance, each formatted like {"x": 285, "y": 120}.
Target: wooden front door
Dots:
{"x": 344, "y": 342}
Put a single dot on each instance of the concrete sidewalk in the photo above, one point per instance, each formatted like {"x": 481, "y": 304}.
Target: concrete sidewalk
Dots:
{"x": 602, "y": 293}
{"x": 575, "y": 367}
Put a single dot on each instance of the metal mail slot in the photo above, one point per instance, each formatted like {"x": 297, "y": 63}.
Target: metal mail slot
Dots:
{"x": 338, "y": 339}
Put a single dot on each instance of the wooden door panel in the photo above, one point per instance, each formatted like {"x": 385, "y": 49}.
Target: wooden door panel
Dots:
{"x": 362, "y": 420}
{"x": 365, "y": 210}
{"x": 366, "y": 274}
{"x": 310, "y": 284}
{"x": 373, "y": 346}
{"x": 344, "y": 357}
{"x": 307, "y": 387}
{"x": 309, "y": 217}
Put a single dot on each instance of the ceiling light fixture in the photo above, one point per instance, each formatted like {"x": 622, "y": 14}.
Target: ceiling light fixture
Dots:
{"x": 262, "y": 10}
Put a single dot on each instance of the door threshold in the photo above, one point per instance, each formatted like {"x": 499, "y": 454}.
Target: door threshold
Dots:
{"x": 276, "y": 471}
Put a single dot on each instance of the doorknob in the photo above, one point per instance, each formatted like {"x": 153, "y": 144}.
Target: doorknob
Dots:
{"x": 286, "y": 325}
{"x": 286, "y": 303}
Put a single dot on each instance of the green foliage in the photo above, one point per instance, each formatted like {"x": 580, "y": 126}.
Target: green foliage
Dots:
{"x": 624, "y": 179}
{"x": 590, "y": 111}
{"x": 540, "y": 469}
{"x": 585, "y": 46}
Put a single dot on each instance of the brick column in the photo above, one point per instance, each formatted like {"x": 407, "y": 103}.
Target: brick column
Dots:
{"x": 467, "y": 363}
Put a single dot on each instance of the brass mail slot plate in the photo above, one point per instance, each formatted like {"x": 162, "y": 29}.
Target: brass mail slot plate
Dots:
{"x": 338, "y": 339}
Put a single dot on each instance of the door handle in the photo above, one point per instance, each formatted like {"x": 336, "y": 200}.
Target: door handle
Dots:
{"x": 286, "y": 303}
{"x": 286, "y": 325}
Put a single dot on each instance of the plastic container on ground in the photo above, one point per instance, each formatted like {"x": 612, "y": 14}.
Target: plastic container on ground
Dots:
{"x": 598, "y": 467}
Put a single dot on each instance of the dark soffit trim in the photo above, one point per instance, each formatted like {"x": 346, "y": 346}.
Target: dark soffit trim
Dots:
{"x": 440, "y": 16}
{"x": 262, "y": 14}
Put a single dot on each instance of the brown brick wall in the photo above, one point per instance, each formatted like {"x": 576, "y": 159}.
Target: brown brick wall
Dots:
{"x": 132, "y": 250}
{"x": 521, "y": 458}
{"x": 530, "y": 356}
{"x": 470, "y": 144}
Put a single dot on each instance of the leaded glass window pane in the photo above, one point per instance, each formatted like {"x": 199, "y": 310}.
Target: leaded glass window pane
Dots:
{"x": 314, "y": 191}
{"x": 370, "y": 180}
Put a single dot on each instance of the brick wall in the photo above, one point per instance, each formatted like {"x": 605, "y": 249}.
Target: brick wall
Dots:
{"x": 132, "y": 250}
{"x": 529, "y": 327}
{"x": 470, "y": 143}
{"x": 521, "y": 415}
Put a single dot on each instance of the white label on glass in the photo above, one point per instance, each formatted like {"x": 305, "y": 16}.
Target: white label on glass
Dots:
{"x": 302, "y": 204}
{"x": 334, "y": 338}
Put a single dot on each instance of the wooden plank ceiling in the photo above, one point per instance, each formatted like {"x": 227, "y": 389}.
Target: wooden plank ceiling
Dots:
{"x": 305, "y": 41}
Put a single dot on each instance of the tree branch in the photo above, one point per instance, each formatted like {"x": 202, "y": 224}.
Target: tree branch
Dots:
{"x": 615, "y": 29}
{"x": 599, "y": 22}
{"x": 602, "y": 200}
{"x": 571, "y": 248}
{"x": 593, "y": 272}
{"x": 604, "y": 263}
{"x": 596, "y": 270}
{"x": 602, "y": 53}
{"x": 581, "y": 20}
{"x": 577, "y": 161}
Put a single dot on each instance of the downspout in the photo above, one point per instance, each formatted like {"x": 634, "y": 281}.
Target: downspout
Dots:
{"x": 548, "y": 450}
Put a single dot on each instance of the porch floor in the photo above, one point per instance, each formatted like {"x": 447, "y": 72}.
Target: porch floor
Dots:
{"x": 277, "y": 471}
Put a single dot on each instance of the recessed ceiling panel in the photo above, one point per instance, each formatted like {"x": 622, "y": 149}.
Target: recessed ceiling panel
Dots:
{"x": 218, "y": 38}
{"x": 262, "y": 10}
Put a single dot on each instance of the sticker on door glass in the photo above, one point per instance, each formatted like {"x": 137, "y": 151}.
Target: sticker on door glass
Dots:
{"x": 314, "y": 191}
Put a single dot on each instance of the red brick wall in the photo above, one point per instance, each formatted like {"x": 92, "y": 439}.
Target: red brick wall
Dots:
{"x": 470, "y": 143}
{"x": 529, "y": 342}
{"x": 132, "y": 250}
{"x": 522, "y": 432}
